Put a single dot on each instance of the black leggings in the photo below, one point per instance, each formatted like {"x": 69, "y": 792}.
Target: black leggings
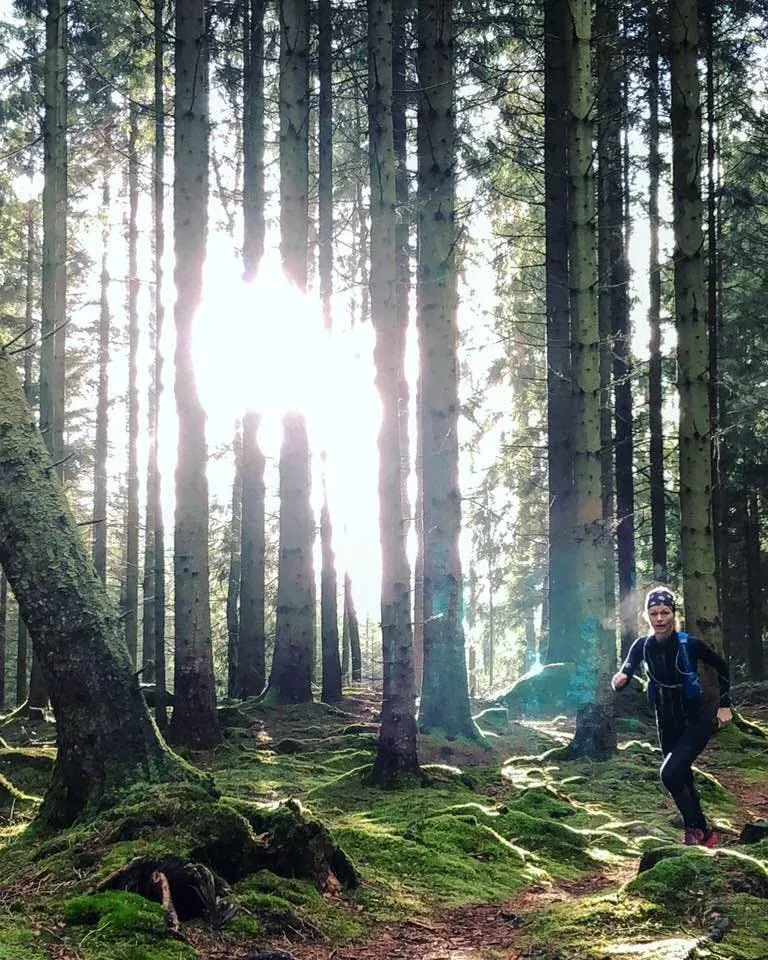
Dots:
{"x": 680, "y": 750}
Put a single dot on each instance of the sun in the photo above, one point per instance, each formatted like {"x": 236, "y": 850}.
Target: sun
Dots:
{"x": 261, "y": 345}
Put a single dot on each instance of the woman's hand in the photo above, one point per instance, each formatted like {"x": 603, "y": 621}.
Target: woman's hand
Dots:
{"x": 619, "y": 680}
{"x": 724, "y": 716}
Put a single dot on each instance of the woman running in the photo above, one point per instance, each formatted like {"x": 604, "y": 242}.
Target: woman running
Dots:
{"x": 683, "y": 719}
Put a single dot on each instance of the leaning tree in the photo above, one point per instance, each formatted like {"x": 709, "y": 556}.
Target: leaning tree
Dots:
{"x": 105, "y": 735}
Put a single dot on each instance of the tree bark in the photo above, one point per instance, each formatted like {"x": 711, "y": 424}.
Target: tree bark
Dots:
{"x": 396, "y": 753}
{"x": 697, "y": 542}
{"x": 655, "y": 398}
{"x": 154, "y": 482}
{"x": 235, "y": 564}
{"x": 131, "y": 610}
{"x": 352, "y": 632}
{"x": 290, "y": 679}
{"x": 445, "y": 694}
{"x": 194, "y": 721}
{"x": 254, "y": 228}
{"x": 755, "y": 654}
{"x": 291, "y": 674}
{"x": 614, "y": 309}
{"x": 106, "y": 739}
{"x": 561, "y": 565}
{"x": 251, "y": 648}
{"x": 101, "y": 442}
{"x": 329, "y": 612}
{"x": 593, "y": 645}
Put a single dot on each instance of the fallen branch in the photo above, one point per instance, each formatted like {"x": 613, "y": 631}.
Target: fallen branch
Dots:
{"x": 172, "y": 925}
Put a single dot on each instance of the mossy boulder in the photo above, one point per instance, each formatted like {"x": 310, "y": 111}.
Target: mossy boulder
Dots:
{"x": 678, "y": 883}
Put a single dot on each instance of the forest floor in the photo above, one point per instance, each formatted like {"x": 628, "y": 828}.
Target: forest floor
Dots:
{"x": 506, "y": 853}
{"x": 491, "y": 931}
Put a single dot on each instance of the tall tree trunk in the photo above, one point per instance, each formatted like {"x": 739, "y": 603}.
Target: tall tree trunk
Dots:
{"x": 655, "y": 398}
{"x": 325, "y": 158}
{"x": 614, "y": 304}
{"x": 290, "y": 677}
{"x": 352, "y": 628}
{"x": 105, "y": 736}
{"x": 402, "y": 11}
{"x": 251, "y": 648}
{"x": 194, "y": 721}
{"x": 396, "y": 753}
{"x": 54, "y": 288}
{"x": 54, "y": 282}
{"x": 329, "y": 612}
{"x": 445, "y": 694}
{"x": 101, "y": 443}
{"x": 249, "y": 677}
{"x": 755, "y": 623}
{"x": 697, "y": 543}
{"x": 253, "y": 136}
{"x": 713, "y": 315}
{"x": 594, "y": 646}
{"x": 154, "y": 485}
{"x": 22, "y": 637}
{"x": 235, "y": 564}
{"x": 559, "y": 390}
{"x": 131, "y": 611}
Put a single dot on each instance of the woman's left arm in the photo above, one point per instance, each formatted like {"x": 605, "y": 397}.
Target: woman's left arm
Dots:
{"x": 708, "y": 655}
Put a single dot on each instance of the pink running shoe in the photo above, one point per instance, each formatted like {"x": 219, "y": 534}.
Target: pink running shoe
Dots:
{"x": 693, "y": 837}
{"x": 710, "y": 839}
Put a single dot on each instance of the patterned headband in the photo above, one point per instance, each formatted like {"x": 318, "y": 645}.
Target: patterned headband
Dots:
{"x": 657, "y": 598}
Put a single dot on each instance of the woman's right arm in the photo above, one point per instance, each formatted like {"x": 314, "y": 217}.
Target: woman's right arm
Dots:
{"x": 631, "y": 663}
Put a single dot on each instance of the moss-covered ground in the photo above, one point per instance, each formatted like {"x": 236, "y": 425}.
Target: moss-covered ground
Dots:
{"x": 498, "y": 824}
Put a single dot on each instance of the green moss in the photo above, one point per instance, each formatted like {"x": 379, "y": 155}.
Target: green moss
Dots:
{"x": 679, "y": 883}
{"x": 583, "y": 928}
{"x": 19, "y": 941}
{"x": 117, "y": 909}
{"x": 124, "y": 926}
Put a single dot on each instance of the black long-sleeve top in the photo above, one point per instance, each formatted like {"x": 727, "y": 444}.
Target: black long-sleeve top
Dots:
{"x": 662, "y": 665}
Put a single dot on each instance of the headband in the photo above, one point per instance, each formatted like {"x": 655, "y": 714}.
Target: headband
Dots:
{"x": 660, "y": 597}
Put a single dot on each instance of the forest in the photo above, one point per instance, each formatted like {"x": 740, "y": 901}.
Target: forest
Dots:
{"x": 362, "y": 368}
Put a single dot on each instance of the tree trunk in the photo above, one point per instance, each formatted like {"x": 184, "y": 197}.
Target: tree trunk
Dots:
{"x": 396, "y": 753}
{"x": 290, "y": 679}
{"x": 593, "y": 645}
{"x": 101, "y": 442}
{"x": 54, "y": 272}
{"x": 106, "y": 739}
{"x": 194, "y": 721}
{"x": 559, "y": 388}
{"x": 154, "y": 486}
{"x": 655, "y": 398}
{"x": 353, "y": 630}
{"x": 251, "y": 655}
{"x": 614, "y": 308}
{"x": 253, "y": 136}
{"x": 329, "y": 613}
{"x": 325, "y": 160}
{"x": 235, "y": 565}
{"x": 291, "y": 675}
{"x": 445, "y": 694}
{"x": 131, "y": 611}
{"x": 755, "y": 661}
{"x": 697, "y": 543}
